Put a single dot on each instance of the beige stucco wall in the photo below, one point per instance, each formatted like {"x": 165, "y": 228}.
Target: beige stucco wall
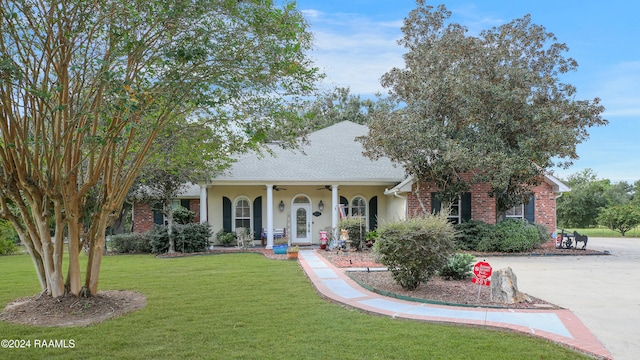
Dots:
{"x": 388, "y": 206}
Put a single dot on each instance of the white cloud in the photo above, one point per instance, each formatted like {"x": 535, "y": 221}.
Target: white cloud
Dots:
{"x": 619, "y": 88}
{"x": 355, "y": 51}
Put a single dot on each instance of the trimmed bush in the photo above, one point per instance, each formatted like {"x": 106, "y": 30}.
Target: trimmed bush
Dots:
{"x": 133, "y": 243}
{"x": 187, "y": 238}
{"x": 416, "y": 249}
{"x": 458, "y": 267}
{"x": 192, "y": 237}
{"x": 512, "y": 235}
{"x": 357, "y": 231}
{"x": 470, "y": 233}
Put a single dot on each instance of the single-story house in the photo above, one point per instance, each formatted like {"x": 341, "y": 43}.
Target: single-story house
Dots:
{"x": 305, "y": 192}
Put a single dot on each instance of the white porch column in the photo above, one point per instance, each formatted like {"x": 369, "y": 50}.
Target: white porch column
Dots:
{"x": 269, "y": 216}
{"x": 203, "y": 203}
{"x": 334, "y": 210}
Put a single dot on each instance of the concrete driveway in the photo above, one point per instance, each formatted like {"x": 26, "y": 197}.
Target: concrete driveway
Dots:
{"x": 602, "y": 291}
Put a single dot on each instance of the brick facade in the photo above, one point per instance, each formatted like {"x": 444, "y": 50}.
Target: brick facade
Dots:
{"x": 483, "y": 207}
{"x": 143, "y": 215}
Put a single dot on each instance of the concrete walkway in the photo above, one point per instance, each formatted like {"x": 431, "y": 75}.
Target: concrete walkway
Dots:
{"x": 560, "y": 326}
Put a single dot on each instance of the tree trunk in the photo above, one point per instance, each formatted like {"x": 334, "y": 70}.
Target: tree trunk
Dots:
{"x": 169, "y": 214}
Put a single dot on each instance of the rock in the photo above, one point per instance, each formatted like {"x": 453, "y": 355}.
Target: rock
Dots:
{"x": 504, "y": 287}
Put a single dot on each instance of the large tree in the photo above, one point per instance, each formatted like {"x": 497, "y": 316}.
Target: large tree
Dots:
{"x": 86, "y": 86}
{"x": 492, "y": 105}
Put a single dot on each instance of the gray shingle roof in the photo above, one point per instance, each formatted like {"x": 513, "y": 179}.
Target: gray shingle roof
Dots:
{"x": 332, "y": 156}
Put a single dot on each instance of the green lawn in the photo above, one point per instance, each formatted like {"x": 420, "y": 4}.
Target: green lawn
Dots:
{"x": 244, "y": 306}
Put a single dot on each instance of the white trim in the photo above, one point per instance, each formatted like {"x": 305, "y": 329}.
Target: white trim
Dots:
{"x": 234, "y": 217}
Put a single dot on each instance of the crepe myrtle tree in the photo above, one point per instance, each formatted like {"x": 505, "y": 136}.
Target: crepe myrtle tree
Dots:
{"x": 87, "y": 86}
{"x": 492, "y": 105}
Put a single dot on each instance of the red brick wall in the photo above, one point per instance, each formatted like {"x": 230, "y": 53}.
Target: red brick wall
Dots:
{"x": 545, "y": 206}
{"x": 143, "y": 215}
{"x": 483, "y": 207}
{"x": 194, "y": 205}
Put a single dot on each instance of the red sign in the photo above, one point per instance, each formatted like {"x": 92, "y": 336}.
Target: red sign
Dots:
{"x": 482, "y": 271}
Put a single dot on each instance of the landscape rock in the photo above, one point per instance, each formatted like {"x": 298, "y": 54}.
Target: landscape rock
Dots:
{"x": 504, "y": 287}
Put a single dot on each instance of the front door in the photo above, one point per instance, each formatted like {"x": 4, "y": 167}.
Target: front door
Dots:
{"x": 301, "y": 220}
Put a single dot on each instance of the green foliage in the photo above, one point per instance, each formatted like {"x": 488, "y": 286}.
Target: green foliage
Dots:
{"x": 8, "y": 238}
{"x": 470, "y": 233}
{"x": 491, "y": 104}
{"x": 225, "y": 238}
{"x": 183, "y": 216}
{"x": 415, "y": 249}
{"x": 357, "y": 231}
{"x": 512, "y": 235}
{"x": 133, "y": 243}
{"x": 188, "y": 238}
{"x": 458, "y": 267}
{"x": 7, "y": 247}
{"x": 621, "y": 218}
{"x": 159, "y": 239}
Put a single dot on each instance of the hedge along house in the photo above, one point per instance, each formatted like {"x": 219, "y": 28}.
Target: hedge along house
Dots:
{"x": 303, "y": 192}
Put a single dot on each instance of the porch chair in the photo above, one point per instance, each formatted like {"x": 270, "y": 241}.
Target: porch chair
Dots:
{"x": 243, "y": 238}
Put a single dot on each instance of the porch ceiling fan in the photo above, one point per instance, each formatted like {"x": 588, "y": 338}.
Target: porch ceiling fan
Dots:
{"x": 276, "y": 188}
{"x": 326, "y": 187}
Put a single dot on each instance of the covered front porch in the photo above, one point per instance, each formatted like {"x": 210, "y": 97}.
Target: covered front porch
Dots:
{"x": 302, "y": 210}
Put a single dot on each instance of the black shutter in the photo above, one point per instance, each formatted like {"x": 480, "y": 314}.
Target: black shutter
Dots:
{"x": 226, "y": 214}
{"x": 185, "y": 203}
{"x": 465, "y": 207}
{"x": 436, "y": 204}
{"x": 158, "y": 216}
{"x": 373, "y": 213}
{"x": 345, "y": 202}
{"x": 529, "y": 210}
{"x": 257, "y": 218}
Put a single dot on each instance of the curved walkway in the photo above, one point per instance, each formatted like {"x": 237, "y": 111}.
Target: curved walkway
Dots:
{"x": 560, "y": 326}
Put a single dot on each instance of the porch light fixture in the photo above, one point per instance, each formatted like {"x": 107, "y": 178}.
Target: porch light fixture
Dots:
{"x": 320, "y": 205}
{"x": 281, "y": 205}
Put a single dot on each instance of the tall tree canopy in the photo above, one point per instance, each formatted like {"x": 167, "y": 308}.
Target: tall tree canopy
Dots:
{"x": 492, "y": 105}
{"x": 86, "y": 86}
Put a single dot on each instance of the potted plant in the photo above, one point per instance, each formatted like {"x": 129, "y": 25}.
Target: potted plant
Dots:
{"x": 371, "y": 238}
{"x": 225, "y": 238}
{"x": 292, "y": 252}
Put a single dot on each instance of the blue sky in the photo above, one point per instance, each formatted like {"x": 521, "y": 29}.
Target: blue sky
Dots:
{"x": 355, "y": 43}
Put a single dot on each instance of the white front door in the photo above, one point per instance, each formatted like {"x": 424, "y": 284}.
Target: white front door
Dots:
{"x": 301, "y": 220}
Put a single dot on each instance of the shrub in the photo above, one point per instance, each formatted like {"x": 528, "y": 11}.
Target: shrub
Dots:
{"x": 7, "y": 247}
{"x": 512, "y": 235}
{"x": 134, "y": 243}
{"x": 470, "y": 233}
{"x": 357, "y": 230}
{"x": 458, "y": 267}
{"x": 225, "y": 238}
{"x": 8, "y": 238}
{"x": 416, "y": 249}
{"x": 192, "y": 237}
{"x": 159, "y": 239}
{"x": 186, "y": 238}
{"x": 183, "y": 216}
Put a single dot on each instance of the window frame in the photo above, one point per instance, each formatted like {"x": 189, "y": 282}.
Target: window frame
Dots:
{"x": 248, "y": 219}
